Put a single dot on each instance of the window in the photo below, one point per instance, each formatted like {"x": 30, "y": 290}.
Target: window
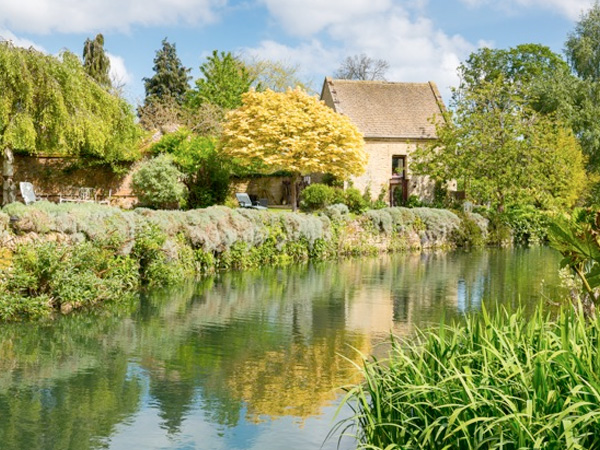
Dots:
{"x": 398, "y": 166}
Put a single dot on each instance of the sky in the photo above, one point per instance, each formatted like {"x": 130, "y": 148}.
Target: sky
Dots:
{"x": 422, "y": 40}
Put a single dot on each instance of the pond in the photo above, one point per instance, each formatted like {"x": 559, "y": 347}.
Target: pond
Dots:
{"x": 250, "y": 360}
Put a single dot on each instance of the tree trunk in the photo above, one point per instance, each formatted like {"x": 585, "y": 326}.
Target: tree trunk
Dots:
{"x": 8, "y": 185}
{"x": 294, "y": 191}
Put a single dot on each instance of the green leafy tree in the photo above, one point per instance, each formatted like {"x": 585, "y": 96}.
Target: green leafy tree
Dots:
{"x": 224, "y": 79}
{"x": 582, "y": 49}
{"x": 207, "y": 172}
{"x": 95, "y": 61}
{"x": 505, "y": 152}
{"x": 170, "y": 82}
{"x": 526, "y": 71}
{"x": 50, "y": 105}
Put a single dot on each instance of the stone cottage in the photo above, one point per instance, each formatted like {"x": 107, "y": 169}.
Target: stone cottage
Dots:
{"x": 395, "y": 118}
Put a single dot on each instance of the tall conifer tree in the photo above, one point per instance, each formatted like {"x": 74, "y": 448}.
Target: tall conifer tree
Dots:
{"x": 95, "y": 61}
{"x": 170, "y": 81}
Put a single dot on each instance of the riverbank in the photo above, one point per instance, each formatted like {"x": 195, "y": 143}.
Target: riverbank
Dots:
{"x": 64, "y": 257}
{"x": 503, "y": 380}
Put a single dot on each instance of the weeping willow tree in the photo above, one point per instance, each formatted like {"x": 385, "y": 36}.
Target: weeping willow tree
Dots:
{"x": 51, "y": 106}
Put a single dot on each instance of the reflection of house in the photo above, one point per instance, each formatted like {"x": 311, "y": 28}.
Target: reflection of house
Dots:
{"x": 395, "y": 118}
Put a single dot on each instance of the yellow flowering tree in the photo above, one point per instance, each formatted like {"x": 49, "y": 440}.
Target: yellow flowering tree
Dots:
{"x": 295, "y": 132}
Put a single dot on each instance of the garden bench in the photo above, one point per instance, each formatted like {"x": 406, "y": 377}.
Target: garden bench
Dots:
{"x": 85, "y": 195}
{"x": 245, "y": 202}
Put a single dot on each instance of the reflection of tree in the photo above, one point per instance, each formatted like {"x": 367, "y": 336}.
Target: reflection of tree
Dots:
{"x": 269, "y": 343}
{"x": 78, "y": 412}
{"x": 299, "y": 380}
{"x": 280, "y": 327}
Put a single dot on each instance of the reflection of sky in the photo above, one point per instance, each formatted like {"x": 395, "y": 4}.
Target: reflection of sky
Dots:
{"x": 145, "y": 431}
{"x": 469, "y": 297}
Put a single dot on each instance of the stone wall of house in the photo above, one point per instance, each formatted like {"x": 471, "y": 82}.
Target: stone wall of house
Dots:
{"x": 379, "y": 168}
{"x": 59, "y": 176}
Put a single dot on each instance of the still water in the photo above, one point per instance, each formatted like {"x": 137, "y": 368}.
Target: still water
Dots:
{"x": 247, "y": 360}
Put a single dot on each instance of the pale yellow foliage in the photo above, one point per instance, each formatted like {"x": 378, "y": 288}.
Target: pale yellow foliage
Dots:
{"x": 295, "y": 132}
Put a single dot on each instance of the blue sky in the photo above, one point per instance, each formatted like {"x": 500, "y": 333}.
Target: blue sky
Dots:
{"x": 421, "y": 39}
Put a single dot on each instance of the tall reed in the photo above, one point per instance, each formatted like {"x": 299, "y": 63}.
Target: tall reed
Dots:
{"x": 502, "y": 381}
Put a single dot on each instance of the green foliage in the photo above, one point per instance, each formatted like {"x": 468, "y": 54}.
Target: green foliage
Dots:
{"x": 507, "y": 381}
{"x": 529, "y": 225}
{"x": 50, "y": 105}
{"x": 207, "y": 172}
{"x": 499, "y": 231}
{"x": 506, "y": 153}
{"x": 413, "y": 201}
{"x": 354, "y": 200}
{"x": 579, "y": 101}
{"x": 469, "y": 234}
{"x": 317, "y": 196}
{"x": 577, "y": 238}
{"x": 158, "y": 183}
{"x": 95, "y": 61}
{"x": 44, "y": 277}
{"x": 524, "y": 70}
{"x": 162, "y": 261}
{"x": 582, "y": 48}
{"x": 224, "y": 79}
{"x": 170, "y": 81}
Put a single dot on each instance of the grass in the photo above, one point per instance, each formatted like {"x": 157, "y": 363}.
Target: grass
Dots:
{"x": 502, "y": 381}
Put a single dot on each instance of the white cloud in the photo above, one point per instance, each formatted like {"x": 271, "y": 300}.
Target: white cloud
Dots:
{"x": 6, "y": 35}
{"x": 119, "y": 74}
{"x": 306, "y": 17}
{"x": 571, "y": 9}
{"x": 68, "y": 16}
{"x": 415, "y": 49}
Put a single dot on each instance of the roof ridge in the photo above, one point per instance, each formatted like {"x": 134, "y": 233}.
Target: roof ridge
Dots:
{"x": 343, "y": 80}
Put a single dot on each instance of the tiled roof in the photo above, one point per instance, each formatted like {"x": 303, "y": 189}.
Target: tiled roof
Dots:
{"x": 382, "y": 109}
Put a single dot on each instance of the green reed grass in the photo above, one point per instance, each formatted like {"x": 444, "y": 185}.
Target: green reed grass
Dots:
{"x": 502, "y": 381}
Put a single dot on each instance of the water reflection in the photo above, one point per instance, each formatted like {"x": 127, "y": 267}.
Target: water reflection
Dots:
{"x": 242, "y": 360}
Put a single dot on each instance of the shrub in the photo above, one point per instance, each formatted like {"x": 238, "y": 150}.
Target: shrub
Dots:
{"x": 528, "y": 224}
{"x": 207, "y": 172}
{"x": 508, "y": 381}
{"x": 317, "y": 196}
{"x": 48, "y": 276}
{"x": 336, "y": 212}
{"x": 355, "y": 201}
{"x": 469, "y": 233}
{"x": 414, "y": 202}
{"x": 158, "y": 184}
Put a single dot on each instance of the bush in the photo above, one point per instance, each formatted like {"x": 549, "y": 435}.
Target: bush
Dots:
{"x": 317, "y": 196}
{"x": 414, "y": 202}
{"x": 503, "y": 382}
{"x": 529, "y": 225}
{"x": 354, "y": 200}
{"x": 469, "y": 233}
{"x": 48, "y": 276}
{"x": 158, "y": 184}
{"x": 207, "y": 173}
